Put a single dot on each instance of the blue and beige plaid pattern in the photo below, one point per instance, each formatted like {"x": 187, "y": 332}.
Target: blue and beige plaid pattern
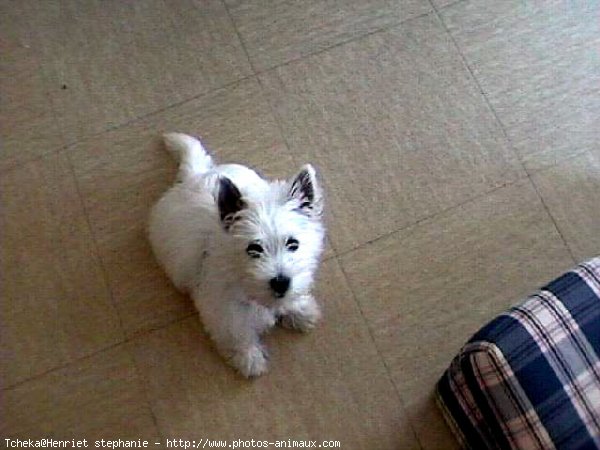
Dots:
{"x": 530, "y": 379}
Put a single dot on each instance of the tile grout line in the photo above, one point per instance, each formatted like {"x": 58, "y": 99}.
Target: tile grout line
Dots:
{"x": 558, "y": 230}
{"x": 379, "y": 353}
{"x": 67, "y": 145}
{"x": 141, "y": 378}
{"x": 145, "y": 393}
{"x": 48, "y": 154}
{"x": 107, "y": 348}
{"x": 384, "y": 28}
{"x": 447, "y": 5}
{"x": 152, "y": 113}
{"x": 94, "y": 242}
{"x": 502, "y": 126}
{"x": 432, "y": 216}
{"x": 239, "y": 36}
{"x": 478, "y": 85}
{"x": 256, "y": 77}
{"x": 61, "y": 366}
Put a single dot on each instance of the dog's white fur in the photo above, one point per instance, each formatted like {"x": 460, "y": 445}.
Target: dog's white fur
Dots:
{"x": 205, "y": 231}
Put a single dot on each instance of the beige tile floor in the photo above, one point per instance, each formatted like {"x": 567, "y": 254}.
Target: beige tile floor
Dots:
{"x": 458, "y": 142}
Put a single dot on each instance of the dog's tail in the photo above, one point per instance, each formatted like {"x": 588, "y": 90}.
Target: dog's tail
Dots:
{"x": 192, "y": 157}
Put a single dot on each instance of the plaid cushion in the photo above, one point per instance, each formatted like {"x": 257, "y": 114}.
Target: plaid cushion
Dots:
{"x": 530, "y": 379}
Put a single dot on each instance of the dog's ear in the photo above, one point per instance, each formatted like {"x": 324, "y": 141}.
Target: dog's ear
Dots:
{"x": 229, "y": 201}
{"x": 305, "y": 190}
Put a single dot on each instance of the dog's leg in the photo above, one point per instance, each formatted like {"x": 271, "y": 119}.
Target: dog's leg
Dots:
{"x": 235, "y": 326}
{"x": 299, "y": 313}
{"x": 193, "y": 158}
{"x": 245, "y": 351}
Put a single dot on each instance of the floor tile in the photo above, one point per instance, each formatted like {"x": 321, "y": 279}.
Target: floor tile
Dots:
{"x": 55, "y": 303}
{"x": 27, "y": 126}
{"x": 96, "y": 398}
{"x": 538, "y": 64}
{"x": 327, "y": 385}
{"x": 396, "y": 126}
{"x": 427, "y": 289}
{"x": 122, "y": 173}
{"x": 275, "y": 32}
{"x": 571, "y": 190}
{"x": 110, "y": 62}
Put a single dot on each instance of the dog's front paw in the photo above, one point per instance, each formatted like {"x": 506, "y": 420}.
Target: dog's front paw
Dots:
{"x": 302, "y": 315}
{"x": 252, "y": 361}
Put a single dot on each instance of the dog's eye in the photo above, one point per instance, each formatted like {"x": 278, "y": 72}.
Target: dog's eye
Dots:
{"x": 292, "y": 244}
{"x": 254, "y": 250}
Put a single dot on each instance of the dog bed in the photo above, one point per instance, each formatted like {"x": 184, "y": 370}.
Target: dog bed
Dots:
{"x": 530, "y": 379}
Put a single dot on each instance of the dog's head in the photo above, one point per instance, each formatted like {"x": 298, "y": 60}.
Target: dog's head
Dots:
{"x": 279, "y": 237}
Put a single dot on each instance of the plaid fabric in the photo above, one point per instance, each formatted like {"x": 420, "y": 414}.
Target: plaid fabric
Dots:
{"x": 530, "y": 379}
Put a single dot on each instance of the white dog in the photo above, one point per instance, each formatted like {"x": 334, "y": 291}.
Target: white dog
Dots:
{"x": 245, "y": 249}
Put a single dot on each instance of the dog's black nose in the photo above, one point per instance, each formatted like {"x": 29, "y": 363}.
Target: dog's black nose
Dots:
{"x": 280, "y": 284}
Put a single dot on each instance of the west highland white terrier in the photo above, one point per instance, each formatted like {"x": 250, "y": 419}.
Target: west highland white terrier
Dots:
{"x": 244, "y": 248}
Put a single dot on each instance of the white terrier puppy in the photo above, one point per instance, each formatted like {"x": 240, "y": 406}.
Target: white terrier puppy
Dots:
{"x": 244, "y": 248}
